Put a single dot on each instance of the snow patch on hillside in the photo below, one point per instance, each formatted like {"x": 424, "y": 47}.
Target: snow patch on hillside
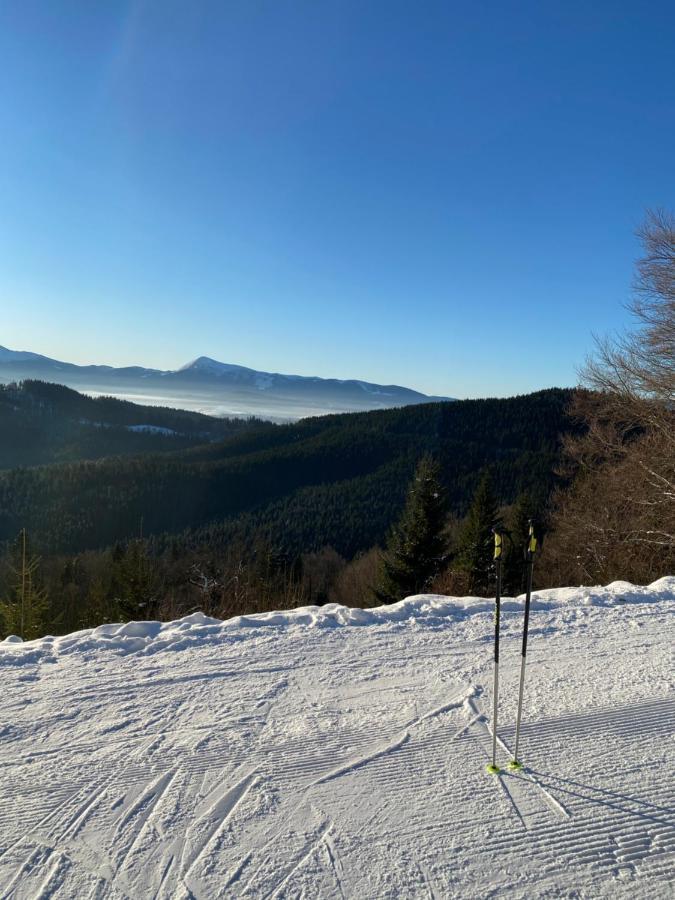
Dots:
{"x": 152, "y": 429}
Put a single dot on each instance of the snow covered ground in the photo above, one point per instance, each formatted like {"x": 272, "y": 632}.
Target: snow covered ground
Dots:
{"x": 341, "y": 753}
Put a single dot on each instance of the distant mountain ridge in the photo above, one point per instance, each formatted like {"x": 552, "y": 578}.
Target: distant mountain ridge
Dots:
{"x": 207, "y": 385}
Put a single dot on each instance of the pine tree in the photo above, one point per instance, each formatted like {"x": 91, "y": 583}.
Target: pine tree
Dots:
{"x": 99, "y": 608}
{"x": 476, "y": 544}
{"x": 23, "y": 611}
{"x": 514, "y": 565}
{"x": 136, "y": 584}
{"x": 69, "y": 614}
{"x": 415, "y": 548}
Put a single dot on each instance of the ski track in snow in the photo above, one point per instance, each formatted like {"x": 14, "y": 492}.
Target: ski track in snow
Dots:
{"x": 290, "y": 760}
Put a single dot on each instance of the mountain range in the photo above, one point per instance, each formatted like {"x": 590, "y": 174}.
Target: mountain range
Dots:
{"x": 218, "y": 388}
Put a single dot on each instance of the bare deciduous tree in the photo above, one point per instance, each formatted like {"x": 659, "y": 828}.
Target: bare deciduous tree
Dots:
{"x": 618, "y": 520}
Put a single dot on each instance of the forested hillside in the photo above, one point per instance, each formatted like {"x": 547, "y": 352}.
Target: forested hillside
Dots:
{"x": 44, "y": 423}
{"x": 335, "y": 480}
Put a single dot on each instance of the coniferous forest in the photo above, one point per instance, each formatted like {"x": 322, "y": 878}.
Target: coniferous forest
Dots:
{"x": 266, "y": 515}
{"x": 113, "y": 511}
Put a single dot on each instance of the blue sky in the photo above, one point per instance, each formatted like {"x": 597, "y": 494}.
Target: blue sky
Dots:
{"x": 435, "y": 194}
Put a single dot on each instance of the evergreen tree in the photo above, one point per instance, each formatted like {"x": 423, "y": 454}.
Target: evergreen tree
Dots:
{"x": 23, "y": 610}
{"x": 68, "y": 616}
{"x": 415, "y": 548}
{"x": 475, "y": 552}
{"x": 519, "y": 522}
{"x": 135, "y": 582}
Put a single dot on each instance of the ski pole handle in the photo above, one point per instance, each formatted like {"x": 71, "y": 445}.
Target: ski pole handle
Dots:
{"x": 531, "y": 550}
{"x": 531, "y": 543}
{"x": 498, "y": 591}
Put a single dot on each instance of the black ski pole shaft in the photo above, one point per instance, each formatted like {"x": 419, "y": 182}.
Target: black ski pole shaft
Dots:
{"x": 495, "y": 689}
{"x": 529, "y": 563}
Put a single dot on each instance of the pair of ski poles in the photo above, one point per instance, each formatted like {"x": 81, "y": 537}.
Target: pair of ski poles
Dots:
{"x": 531, "y": 549}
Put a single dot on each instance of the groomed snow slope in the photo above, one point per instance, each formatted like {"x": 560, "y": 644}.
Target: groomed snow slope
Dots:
{"x": 341, "y": 753}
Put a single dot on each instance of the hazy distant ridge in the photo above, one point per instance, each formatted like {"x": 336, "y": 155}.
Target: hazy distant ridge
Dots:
{"x": 208, "y": 385}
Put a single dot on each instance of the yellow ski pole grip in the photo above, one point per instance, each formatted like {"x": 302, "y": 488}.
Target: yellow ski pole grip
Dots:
{"x": 532, "y": 542}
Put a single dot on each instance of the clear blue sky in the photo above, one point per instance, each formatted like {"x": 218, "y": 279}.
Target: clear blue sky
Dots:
{"x": 437, "y": 194}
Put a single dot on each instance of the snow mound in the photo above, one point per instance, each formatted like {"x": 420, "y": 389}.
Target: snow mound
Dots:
{"x": 429, "y": 611}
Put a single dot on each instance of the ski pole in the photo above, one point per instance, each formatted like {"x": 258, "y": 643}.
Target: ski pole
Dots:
{"x": 529, "y": 563}
{"x": 493, "y": 768}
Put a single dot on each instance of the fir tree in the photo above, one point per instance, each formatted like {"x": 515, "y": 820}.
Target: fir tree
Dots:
{"x": 476, "y": 543}
{"x": 415, "y": 548}
{"x": 23, "y": 610}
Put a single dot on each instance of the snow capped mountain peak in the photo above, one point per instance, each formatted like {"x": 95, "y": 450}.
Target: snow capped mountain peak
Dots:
{"x": 210, "y": 366}
{"x": 206, "y": 383}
